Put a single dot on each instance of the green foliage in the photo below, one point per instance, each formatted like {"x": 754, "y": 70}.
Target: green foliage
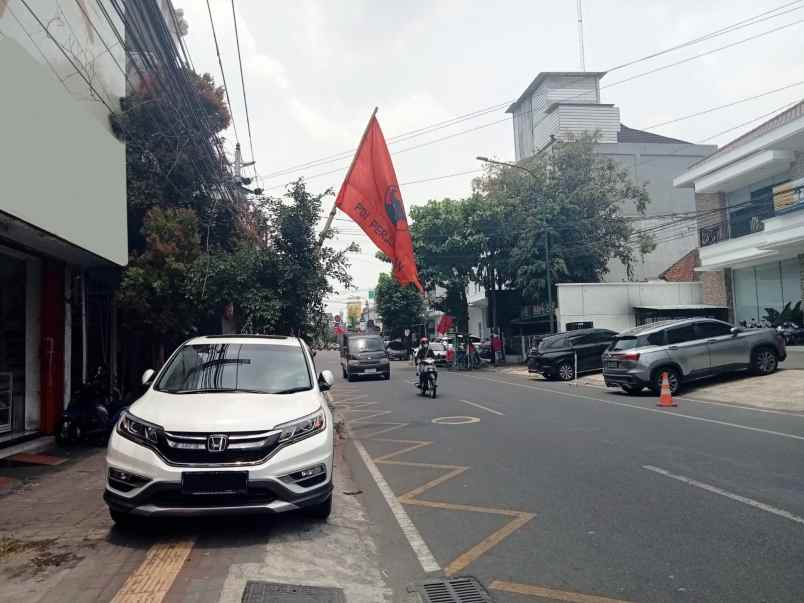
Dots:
{"x": 400, "y": 306}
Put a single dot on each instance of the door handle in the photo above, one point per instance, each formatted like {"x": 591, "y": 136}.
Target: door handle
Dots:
{"x": 672, "y": 347}
{"x": 711, "y": 341}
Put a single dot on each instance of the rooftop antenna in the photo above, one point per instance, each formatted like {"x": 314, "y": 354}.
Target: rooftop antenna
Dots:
{"x": 580, "y": 36}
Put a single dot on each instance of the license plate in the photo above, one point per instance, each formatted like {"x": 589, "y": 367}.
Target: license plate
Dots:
{"x": 214, "y": 482}
{"x": 612, "y": 364}
{"x": 368, "y": 371}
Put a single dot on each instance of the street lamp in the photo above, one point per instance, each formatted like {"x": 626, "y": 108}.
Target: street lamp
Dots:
{"x": 548, "y": 277}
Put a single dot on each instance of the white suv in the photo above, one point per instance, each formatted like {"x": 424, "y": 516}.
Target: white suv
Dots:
{"x": 231, "y": 424}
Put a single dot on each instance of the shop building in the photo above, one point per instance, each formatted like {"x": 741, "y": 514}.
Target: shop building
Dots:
{"x": 750, "y": 201}
{"x": 63, "y": 232}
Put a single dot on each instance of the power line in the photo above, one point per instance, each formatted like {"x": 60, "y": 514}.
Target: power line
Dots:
{"x": 223, "y": 73}
{"x": 243, "y": 85}
{"x": 760, "y": 17}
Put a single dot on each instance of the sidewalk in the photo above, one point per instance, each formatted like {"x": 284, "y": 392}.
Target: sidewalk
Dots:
{"x": 779, "y": 391}
{"x": 57, "y": 543}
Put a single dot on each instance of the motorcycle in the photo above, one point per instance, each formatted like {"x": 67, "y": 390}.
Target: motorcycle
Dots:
{"x": 428, "y": 377}
{"x": 92, "y": 411}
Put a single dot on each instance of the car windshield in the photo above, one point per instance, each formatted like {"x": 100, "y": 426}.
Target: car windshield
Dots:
{"x": 365, "y": 344}
{"x": 230, "y": 367}
{"x": 553, "y": 343}
{"x": 624, "y": 343}
{"x": 437, "y": 347}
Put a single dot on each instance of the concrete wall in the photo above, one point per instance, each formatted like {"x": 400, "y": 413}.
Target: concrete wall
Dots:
{"x": 610, "y": 305}
{"x": 655, "y": 165}
{"x": 62, "y": 169}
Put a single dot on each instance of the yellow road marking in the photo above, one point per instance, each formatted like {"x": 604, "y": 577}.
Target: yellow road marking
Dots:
{"x": 549, "y": 593}
{"x": 415, "y": 445}
{"x": 453, "y": 472}
{"x": 470, "y": 556}
{"x": 481, "y": 407}
{"x": 152, "y": 580}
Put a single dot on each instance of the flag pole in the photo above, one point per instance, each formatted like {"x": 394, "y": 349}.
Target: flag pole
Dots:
{"x": 334, "y": 209}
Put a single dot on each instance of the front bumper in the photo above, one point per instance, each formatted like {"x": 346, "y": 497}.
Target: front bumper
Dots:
{"x": 269, "y": 487}
{"x": 367, "y": 370}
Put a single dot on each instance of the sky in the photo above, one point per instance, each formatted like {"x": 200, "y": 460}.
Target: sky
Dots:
{"x": 314, "y": 71}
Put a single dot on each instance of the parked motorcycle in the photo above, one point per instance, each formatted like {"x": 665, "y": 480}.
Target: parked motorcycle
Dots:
{"x": 428, "y": 377}
{"x": 92, "y": 412}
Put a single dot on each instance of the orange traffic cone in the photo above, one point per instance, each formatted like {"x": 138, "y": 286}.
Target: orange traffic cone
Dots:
{"x": 666, "y": 397}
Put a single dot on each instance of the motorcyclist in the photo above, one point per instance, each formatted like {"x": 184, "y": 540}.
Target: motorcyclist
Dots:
{"x": 424, "y": 351}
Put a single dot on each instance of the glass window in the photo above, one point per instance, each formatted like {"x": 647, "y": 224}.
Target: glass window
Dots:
{"x": 628, "y": 342}
{"x": 745, "y": 295}
{"x": 769, "y": 288}
{"x": 554, "y": 343}
{"x": 681, "y": 334}
{"x": 791, "y": 281}
{"x": 255, "y": 368}
{"x": 657, "y": 338}
{"x": 712, "y": 329}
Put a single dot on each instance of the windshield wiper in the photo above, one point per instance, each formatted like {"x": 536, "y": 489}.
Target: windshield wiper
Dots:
{"x": 210, "y": 390}
{"x": 293, "y": 390}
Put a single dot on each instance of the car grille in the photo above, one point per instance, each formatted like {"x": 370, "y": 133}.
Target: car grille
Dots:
{"x": 249, "y": 447}
{"x": 173, "y": 498}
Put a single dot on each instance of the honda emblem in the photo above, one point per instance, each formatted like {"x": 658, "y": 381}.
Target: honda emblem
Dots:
{"x": 217, "y": 442}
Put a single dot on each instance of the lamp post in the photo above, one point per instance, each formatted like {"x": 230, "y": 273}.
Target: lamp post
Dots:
{"x": 548, "y": 277}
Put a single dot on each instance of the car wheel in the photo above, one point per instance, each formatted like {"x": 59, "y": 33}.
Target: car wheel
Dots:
{"x": 566, "y": 372}
{"x": 68, "y": 433}
{"x": 122, "y": 520}
{"x": 632, "y": 390}
{"x": 350, "y": 377}
{"x": 321, "y": 510}
{"x": 764, "y": 361}
{"x": 387, "y": 375}
{"x": 673, "y": 379}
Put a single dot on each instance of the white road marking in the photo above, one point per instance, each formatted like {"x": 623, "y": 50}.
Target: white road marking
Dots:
{"x": 653, "y": 410}
{"x": 481, "y": 407}
{"x": 462, "y": 420}
{"x": 420, "y": 548}
{"x": 715, "y": 490}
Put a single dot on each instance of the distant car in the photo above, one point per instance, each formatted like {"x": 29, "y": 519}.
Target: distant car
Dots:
{"x": 364, "y": 356}
{"x": 397, "y": 350}
{"x": 688, "y": 350}
{"x": 556, "y": 355}
{"x": 792, "y": 333}
{"x": 440, "y": 352}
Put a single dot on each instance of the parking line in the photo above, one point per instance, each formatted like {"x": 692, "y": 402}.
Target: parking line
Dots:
{"x": 549, "y": 593}
{"x": 155, "y": 575}
{"x": 481, "y": 407}
{"x": 715, "y": 490}
{"x": 420, "y": 548}
{"x": 664, "y": 412}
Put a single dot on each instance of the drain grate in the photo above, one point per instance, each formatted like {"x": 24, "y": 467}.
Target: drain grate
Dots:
{"x": 275, "y": 592}
{"x": 463, "y": 589}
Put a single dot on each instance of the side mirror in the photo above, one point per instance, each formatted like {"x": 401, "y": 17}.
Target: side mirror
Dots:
{"x": 147, "y": 376}
{"x": 736, "y": 330}
{"x": 325, "y": 380}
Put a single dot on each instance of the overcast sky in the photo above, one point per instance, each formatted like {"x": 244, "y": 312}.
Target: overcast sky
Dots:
{"x": 315, "y": 70}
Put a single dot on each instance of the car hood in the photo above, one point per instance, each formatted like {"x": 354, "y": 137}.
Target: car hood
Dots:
{"x": 224, "y": 411}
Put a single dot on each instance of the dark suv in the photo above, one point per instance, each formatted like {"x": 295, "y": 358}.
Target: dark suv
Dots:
{"x": 364, "y": 356}
{"x": 556, "y": 355}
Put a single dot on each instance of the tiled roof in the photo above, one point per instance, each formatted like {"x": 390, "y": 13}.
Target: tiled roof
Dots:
{"x": 627, "y": 134}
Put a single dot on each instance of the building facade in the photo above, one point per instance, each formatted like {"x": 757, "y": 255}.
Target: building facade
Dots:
{"x": 750, "y": 198}
{"x": 561, "y": 105}
{"x": 63, "y": 205}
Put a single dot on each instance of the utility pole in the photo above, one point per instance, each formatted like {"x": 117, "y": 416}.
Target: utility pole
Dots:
{"x": 580, "y": 36}
{"x": 548, "y": 277}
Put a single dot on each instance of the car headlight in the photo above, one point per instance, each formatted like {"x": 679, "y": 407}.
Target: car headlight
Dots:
{"x": 302, "y": 428}
{"x": 137, "y": 430}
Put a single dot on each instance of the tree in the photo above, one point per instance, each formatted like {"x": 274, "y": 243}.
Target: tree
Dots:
{"x": 575, "y": 197}
{"x": 446, "y": 253}
{"x": 400, "y": 306}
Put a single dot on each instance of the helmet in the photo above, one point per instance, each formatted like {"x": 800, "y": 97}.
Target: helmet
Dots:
{"x": 424, "y": 340}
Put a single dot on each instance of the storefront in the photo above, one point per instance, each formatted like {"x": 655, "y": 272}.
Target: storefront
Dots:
{"x": 765, "y": 287}
{"x": 19, "y": 325}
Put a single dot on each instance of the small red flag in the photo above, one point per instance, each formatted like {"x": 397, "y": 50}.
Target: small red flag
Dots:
{"x": 445, "y": 324}
{"x": 370, "y": 196}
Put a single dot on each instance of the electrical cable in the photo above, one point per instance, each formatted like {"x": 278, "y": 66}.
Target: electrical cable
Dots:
{"x": 223, "y": 73}
{"x": 243, "y": 84}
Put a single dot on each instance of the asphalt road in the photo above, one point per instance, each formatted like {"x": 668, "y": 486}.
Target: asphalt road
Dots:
{"x": 547, "y": 492}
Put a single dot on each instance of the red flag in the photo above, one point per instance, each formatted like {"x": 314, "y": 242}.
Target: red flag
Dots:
{"x": 445, "y": 324}
{"x": 370, "y": 196}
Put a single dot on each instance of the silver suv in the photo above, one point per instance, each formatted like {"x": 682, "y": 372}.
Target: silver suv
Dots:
{"x": 687, "y": 350}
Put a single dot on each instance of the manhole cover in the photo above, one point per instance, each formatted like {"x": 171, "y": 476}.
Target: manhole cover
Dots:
{"x": 274, "y": 592}
{"x": 463, "y": 589}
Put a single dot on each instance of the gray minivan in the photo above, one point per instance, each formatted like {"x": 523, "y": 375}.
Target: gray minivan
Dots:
{"x": 364, "y": 356}
{"x": 688, "y": 350}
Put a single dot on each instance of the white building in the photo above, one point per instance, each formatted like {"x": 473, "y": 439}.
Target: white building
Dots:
{"x": 752, "y": 234}
{"x": 558, "y": 105}
{"x": 63, "y": 203}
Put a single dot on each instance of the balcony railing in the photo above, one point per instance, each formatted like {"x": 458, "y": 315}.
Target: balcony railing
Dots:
{"x": 709, "y": 235}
